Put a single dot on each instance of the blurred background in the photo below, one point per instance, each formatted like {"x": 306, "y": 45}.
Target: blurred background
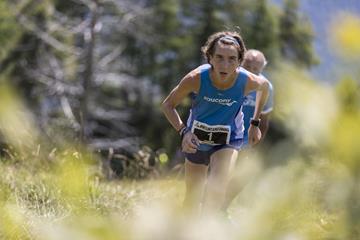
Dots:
{"x": 81, "y": 83}
{"x": 96, "y": 71}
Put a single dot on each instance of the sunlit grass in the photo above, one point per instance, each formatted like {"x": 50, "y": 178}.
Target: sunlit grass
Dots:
{"x": 307, "y": 197}
{"x": 304, "y": 106}
{"x": 16, "y": 123}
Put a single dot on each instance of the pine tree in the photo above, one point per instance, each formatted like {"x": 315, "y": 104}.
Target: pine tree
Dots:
{"x": 10, "y": 31}
{"x": 263, "y": 31}
{"x": 296, "y": 36}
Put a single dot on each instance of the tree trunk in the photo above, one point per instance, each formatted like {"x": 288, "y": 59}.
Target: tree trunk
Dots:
{"x": 89, "y": 37}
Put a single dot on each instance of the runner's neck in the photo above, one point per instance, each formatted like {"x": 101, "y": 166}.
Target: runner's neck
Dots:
{"x": 221, "y": 84}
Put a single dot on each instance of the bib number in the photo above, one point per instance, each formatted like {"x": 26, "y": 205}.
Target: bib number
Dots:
{"x": 211, "y": 134}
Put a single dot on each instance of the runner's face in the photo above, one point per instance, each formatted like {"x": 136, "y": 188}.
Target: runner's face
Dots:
{"x": 224, "y": 61}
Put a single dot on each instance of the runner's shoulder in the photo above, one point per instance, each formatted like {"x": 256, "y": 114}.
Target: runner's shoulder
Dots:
{"x": 192, "y": 79}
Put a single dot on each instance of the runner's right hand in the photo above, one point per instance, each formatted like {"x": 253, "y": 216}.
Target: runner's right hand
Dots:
{"x": 190, "y": 143}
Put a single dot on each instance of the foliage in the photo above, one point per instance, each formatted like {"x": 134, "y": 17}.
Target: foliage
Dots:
{"x": 97, "y": 70}
{"x": 263, "y": 30}
{"x": 10, "y": 31}
{"x": 296, "y": 36}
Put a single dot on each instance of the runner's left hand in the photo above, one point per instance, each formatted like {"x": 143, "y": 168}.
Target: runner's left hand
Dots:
{"x": 254, "y": 134}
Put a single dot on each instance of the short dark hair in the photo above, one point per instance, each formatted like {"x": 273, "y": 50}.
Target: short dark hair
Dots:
{"x": 224, "y": 37}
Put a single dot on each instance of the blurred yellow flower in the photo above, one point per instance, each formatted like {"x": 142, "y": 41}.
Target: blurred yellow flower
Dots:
{"x": 163, "y": 158}
{"x": 346, "y": 35}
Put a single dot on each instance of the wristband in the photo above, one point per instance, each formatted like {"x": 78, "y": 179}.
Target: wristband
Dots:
{"x": 255, "y": 122}
{"x": 183, "y": 131}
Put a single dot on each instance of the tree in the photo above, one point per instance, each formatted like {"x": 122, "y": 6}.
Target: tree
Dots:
{"x": 296, "y": 36}
{"x": 263, "y": 30}
{"x": 10, "y": 32}
{"x": 58, "y": 63}
{"x": 99, "y": 69}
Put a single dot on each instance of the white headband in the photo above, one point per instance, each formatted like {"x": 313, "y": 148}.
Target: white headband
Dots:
{"x": 230, "y": 39}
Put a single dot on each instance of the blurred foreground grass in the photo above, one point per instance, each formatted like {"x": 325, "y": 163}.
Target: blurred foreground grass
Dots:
{"x": 313, "y": 194}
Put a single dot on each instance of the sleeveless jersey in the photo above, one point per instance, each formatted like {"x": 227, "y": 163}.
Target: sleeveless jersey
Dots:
{"x": 215, "y": 116}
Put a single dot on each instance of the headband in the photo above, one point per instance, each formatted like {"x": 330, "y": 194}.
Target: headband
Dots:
{"x": 230, "y": 39}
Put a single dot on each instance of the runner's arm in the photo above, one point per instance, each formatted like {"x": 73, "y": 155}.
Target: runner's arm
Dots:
{"x": 190, "y": 83}
{"x": 262, "y": 87}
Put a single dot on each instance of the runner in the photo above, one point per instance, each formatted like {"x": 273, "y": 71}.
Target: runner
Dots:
{"x": 214, "y": 132}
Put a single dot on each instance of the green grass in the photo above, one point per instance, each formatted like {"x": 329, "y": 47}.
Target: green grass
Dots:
{"x": 293, "y": 201}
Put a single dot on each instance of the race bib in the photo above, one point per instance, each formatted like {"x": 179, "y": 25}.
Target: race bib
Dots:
{"x": 211, "y": 134}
